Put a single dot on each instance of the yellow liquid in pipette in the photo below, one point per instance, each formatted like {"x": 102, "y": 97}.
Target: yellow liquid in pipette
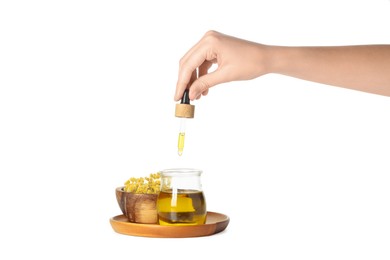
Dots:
{"x": 180, "y": 145}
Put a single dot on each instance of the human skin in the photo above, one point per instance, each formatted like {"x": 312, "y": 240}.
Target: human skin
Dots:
{"x": 359, "y": 67}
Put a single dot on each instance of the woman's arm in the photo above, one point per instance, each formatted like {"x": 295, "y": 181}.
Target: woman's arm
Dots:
{"x": 364, "y": 68}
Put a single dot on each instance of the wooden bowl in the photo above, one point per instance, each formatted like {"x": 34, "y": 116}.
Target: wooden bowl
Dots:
{"x": 138, "y": 208}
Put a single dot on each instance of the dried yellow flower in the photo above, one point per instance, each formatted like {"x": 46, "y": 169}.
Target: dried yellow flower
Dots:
{"x": 146, "y": 185}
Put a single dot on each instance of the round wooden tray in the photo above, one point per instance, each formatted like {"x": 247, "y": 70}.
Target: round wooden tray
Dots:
{"x": 215, "y": 223}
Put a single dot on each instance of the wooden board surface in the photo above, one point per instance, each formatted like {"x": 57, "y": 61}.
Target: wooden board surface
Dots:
{"x": 215, "y": 223}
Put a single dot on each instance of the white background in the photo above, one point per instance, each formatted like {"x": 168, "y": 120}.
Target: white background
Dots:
{"x": 86, "y": 102}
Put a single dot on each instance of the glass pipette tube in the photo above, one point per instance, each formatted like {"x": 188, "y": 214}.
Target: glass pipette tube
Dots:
{"x": 182, "y": 134}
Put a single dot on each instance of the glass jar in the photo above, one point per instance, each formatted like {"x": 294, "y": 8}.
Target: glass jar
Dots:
{"x": 181, "y": 201}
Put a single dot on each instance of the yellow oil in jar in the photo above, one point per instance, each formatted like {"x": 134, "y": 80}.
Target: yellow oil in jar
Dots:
{"x": 181, "y": 208}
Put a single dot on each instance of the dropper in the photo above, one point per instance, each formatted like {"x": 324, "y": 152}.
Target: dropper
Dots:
{"x": 183, "y": 110}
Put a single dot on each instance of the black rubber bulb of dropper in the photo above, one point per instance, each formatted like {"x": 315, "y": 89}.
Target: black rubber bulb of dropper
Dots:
{"x": 186, "y": 97}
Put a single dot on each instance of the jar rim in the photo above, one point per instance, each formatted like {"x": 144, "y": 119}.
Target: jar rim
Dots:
{"x": 181, "y": 172}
